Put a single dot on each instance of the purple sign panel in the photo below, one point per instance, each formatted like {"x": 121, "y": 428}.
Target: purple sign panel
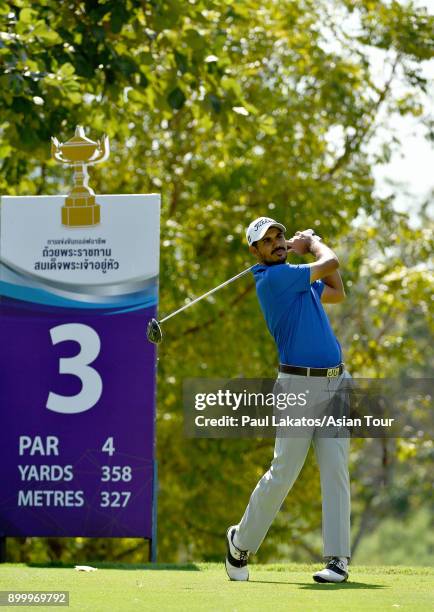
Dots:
{"x": 77, "y": 375}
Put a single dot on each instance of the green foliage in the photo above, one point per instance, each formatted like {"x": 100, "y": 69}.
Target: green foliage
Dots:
{"x": 401, "y": 542}
{"x": 231, "y": 111}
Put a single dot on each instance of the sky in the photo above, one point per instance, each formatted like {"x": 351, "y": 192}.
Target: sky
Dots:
{"x": 409, "y": 176}
{"x": 412, "y": 166}
{"x": 410, "y": 173}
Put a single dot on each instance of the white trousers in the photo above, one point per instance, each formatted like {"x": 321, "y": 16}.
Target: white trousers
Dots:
{"x": 289, "y": 457}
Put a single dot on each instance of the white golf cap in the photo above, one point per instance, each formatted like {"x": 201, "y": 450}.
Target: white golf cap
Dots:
{"x": 258, "y": 228}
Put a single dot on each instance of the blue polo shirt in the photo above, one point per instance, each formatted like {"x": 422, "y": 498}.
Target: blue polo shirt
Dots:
{"x": 295, "y": 316}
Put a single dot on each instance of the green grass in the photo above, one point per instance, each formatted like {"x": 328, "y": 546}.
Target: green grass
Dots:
{"x": 204, "y": 586}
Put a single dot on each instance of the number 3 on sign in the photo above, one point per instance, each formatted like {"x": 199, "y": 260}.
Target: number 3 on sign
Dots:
{"x": 90, "y": 346}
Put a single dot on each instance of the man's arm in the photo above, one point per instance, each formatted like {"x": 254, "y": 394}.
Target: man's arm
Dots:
{"x": 333, "y": 291}
{"x": 325, "y": 267}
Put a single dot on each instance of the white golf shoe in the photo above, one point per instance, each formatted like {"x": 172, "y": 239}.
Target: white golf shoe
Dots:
{"x": 334, "y": 571}
{"x": 236, "y": 559}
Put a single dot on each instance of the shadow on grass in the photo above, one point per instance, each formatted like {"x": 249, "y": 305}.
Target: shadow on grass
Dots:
{"x": 324, "y": 586}
{"x": 334, "y": 587}
{"x": 186, "y": 567}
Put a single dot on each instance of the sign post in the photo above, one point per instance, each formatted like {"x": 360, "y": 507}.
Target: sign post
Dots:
{"x": 78, "y": 284}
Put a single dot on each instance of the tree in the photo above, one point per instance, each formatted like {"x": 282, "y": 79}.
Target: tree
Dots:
{"x": 231, "y": 110}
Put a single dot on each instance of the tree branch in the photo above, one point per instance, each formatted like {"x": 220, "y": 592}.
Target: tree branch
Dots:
{"x": 311, "y": 550}
{"x": 222, "y": 313}
{"x": 364, "y": 524}
{"x": 353, "y": 143}
{"x": 41, "y": 186}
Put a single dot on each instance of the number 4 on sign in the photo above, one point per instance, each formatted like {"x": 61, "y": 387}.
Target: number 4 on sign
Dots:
{"x": 108, "y": 447}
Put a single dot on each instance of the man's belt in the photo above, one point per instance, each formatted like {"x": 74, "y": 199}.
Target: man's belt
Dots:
{"x": 299, "y": 371}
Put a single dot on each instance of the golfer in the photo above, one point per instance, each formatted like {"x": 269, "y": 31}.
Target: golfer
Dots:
{"x": 291, "y": 298}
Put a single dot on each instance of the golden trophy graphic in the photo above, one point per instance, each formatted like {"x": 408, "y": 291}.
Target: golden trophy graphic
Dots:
{"x": 80, "y": 209}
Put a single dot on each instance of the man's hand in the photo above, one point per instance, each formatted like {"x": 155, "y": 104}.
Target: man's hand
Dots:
{"x": 298, "y": 244}
{"x": 308, "y": 233}
{"x": 301, "y": 242}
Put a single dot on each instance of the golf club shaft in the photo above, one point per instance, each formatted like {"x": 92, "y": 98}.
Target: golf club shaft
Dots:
{"x": 206, "y": 294}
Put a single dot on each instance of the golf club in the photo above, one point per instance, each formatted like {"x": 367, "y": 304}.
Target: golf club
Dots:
{"x": 154, "y": 333}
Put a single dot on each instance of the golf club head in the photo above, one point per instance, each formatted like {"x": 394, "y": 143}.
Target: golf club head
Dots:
{"x": 153, "y": 332}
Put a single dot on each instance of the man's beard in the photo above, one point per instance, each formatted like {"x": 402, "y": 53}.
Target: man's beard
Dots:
{"x": 268, "y": 262}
